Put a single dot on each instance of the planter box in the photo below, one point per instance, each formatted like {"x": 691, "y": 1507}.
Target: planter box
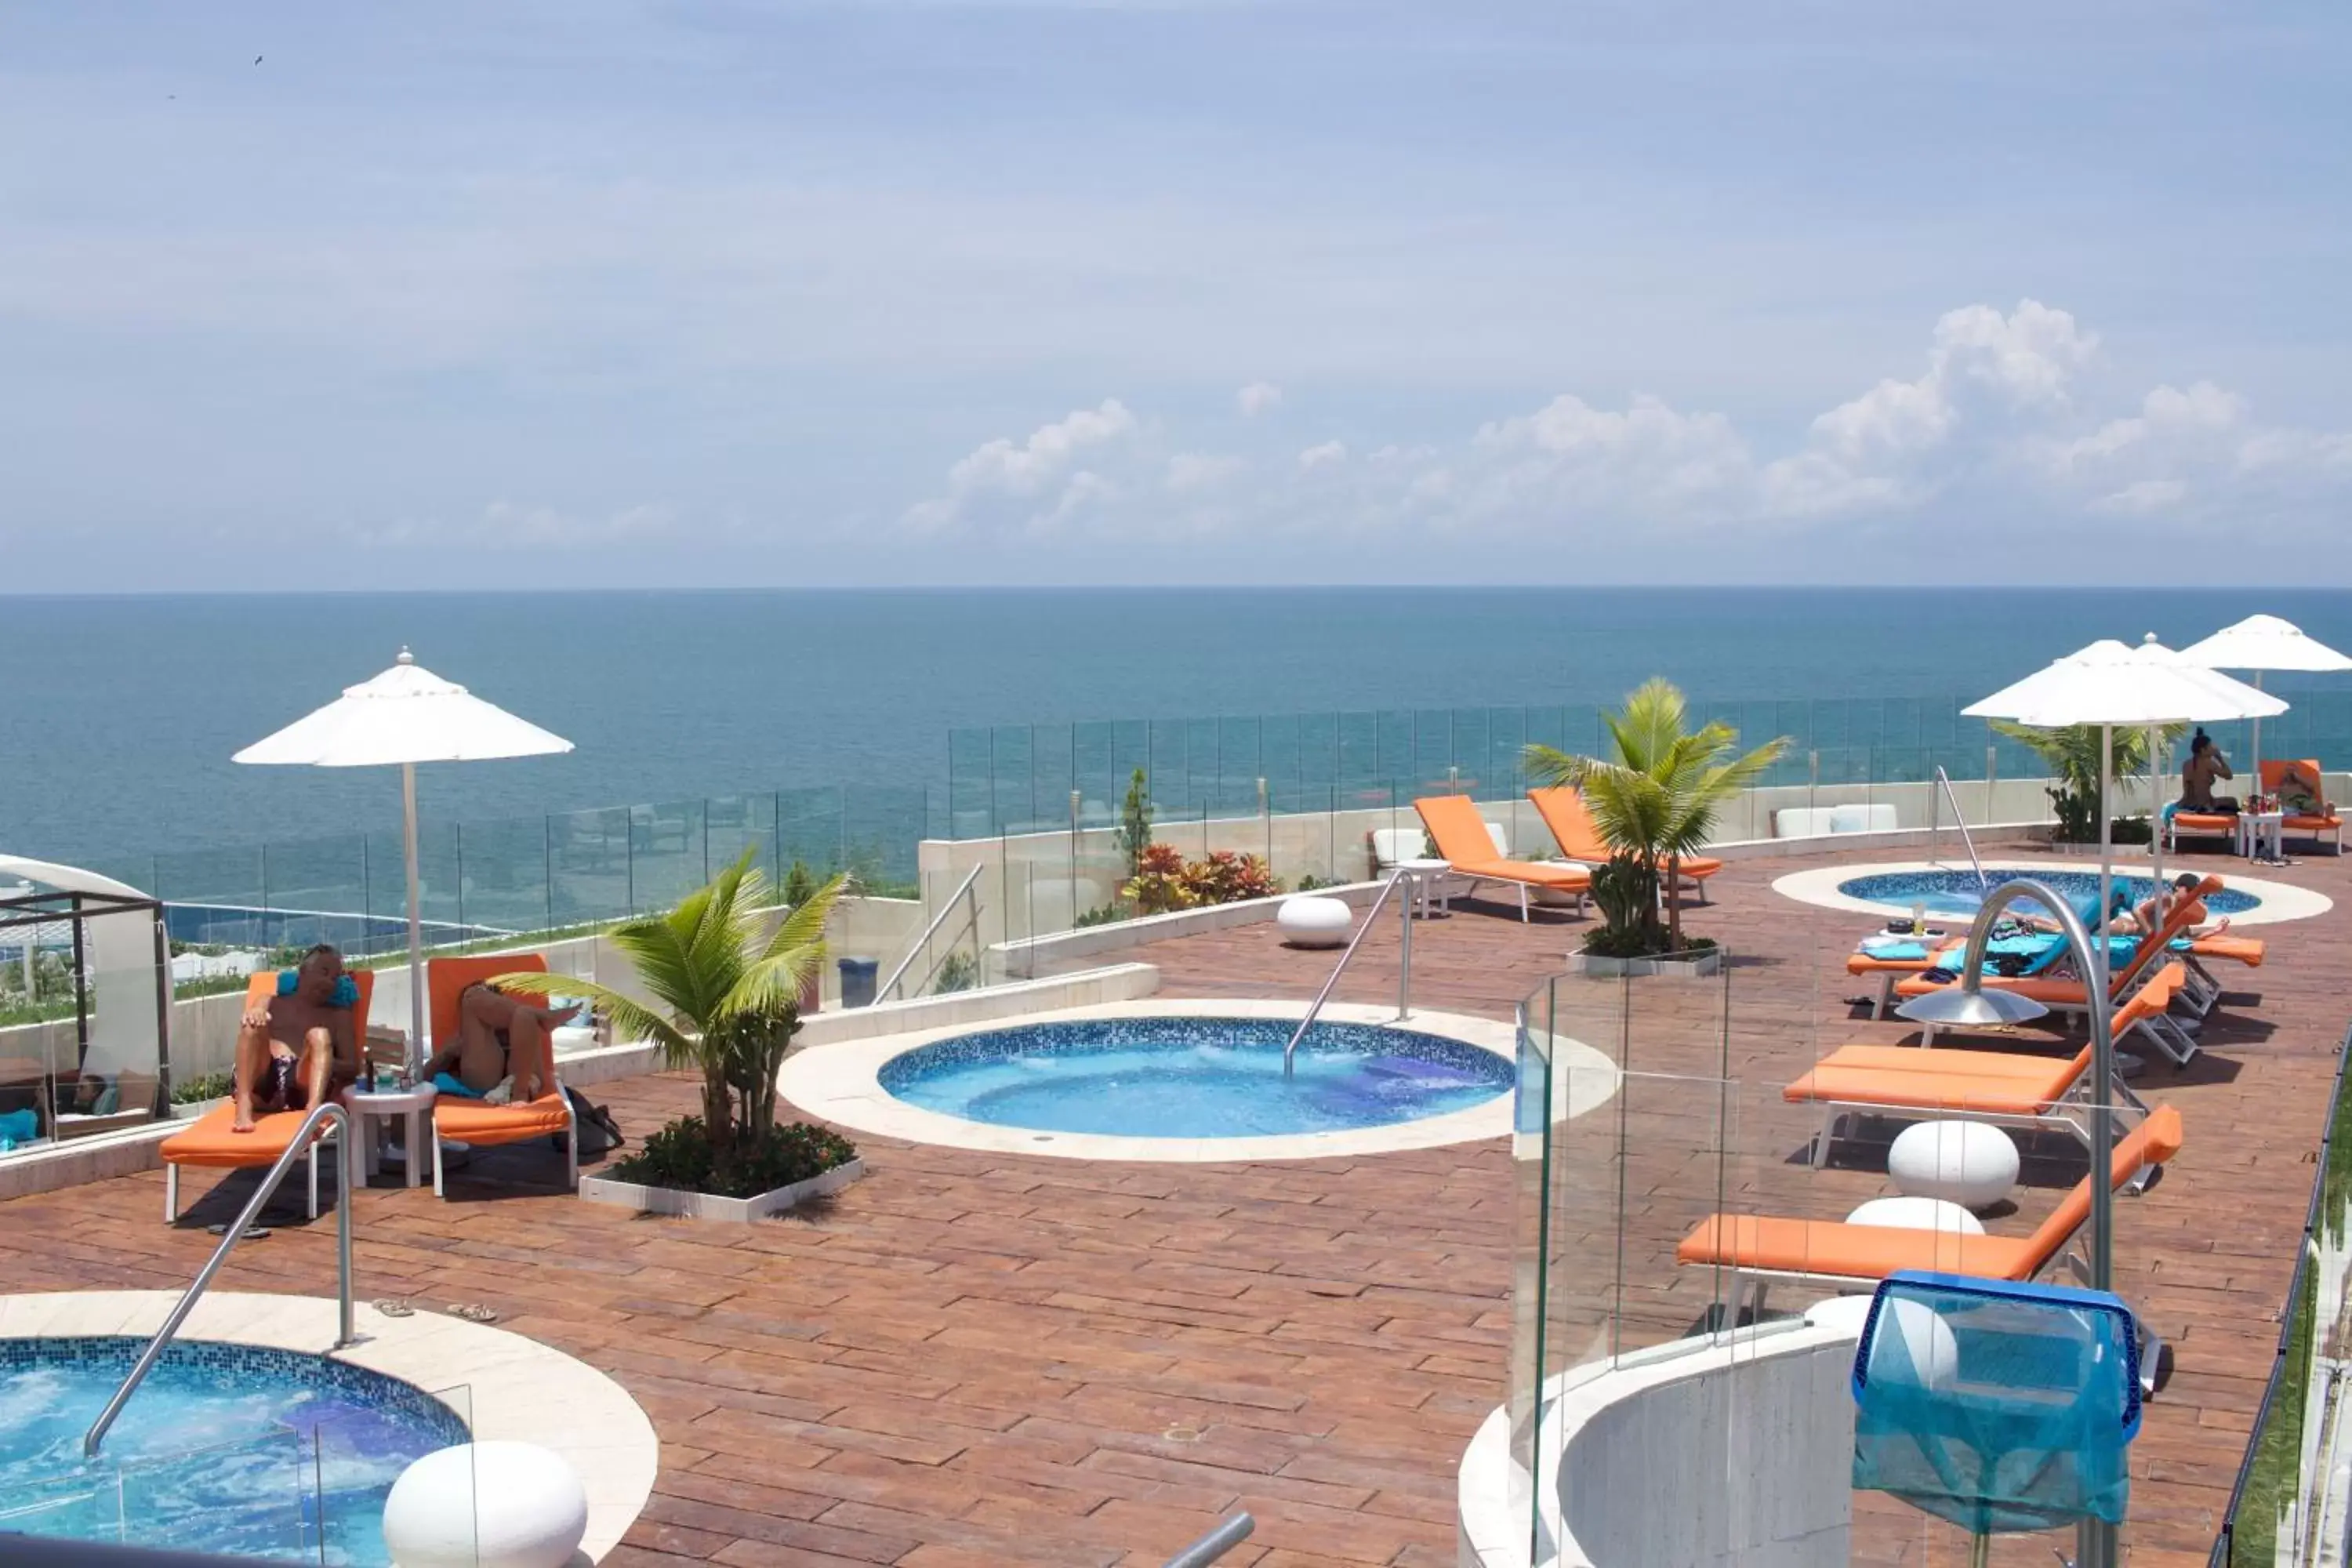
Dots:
{"x": 1679, "y": 966}
{"x": 709, "y": 1206}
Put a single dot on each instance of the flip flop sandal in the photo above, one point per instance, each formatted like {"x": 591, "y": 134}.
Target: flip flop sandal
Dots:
{"x": 392, "y": 1307}
{"x": 473, "y": 1312}
{"x": 252, "y": 1232}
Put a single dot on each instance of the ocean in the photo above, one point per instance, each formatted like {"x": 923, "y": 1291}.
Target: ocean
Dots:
{"x": 118, "y": 715}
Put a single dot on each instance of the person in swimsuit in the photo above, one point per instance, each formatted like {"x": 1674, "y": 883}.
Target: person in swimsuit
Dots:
{"x": 501, "y": 1037}
{"x": 296, "y": 1048}
{"x": 2206, "y": 767}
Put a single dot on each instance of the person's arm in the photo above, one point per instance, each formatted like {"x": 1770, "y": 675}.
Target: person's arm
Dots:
{"x": 2221, "y": 765}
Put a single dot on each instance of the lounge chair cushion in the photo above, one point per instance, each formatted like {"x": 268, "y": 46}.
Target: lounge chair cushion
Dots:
{"x": 208, "y": 1143}
{"x": 472, "y": 1122}
{"x": 1467, "y": 840}
{"x": 1852, "y": 1251}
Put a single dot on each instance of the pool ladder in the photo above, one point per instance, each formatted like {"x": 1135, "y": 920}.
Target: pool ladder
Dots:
{"x": 294, "y": 1149}
{"x": 1397, "y": 875}
{"x": 1936, "y": 824}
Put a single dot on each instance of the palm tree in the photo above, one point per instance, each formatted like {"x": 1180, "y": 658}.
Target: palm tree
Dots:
{"x": 731, "y": 995}
{"x": 1659, "y": 799}
{"x": 2073, "y": 753}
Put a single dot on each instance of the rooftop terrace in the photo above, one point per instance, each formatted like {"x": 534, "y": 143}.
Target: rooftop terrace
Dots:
{"x": 975, "y": 1358}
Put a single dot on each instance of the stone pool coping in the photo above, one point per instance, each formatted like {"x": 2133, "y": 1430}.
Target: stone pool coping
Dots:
{"x": 840, "y": 1084}
{"x": 2281, "y": 901}
{"x": 515, "y": 1388}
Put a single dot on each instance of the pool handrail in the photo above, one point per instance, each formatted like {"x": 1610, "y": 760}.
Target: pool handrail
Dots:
{"x": 1397, "y": 874}
{"x": 1959, "y": 819}
{"x": 1229, "y": 1533}
{"x": 296, "y": 1146}
{"x": 922, "y": 944}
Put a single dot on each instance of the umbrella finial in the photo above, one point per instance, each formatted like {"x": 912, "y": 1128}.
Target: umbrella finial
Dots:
{"x": 2149, "y": 637}
{"x": 408, "y": 657}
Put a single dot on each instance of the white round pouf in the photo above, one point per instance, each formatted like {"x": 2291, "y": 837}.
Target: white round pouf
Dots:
{"x": 1308, "y": 921}
{"x": 1917, "y": 1214}
{"x": 532, "y": 1510}
{"x": 1970, "y": 1164}
{"x": 1917, "y": 1333}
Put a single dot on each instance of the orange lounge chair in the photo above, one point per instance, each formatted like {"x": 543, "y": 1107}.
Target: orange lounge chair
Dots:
{"x": 2070, "y": 996}
{"x": 2205, "y": 824}
{"x": 2012, "y": 1087}
{"x": 208, "y": 1143}
{"x": 1563, "y": 811}
{"x": 1945, "y": 953}
{"x": 1464, "y": 841}
{"x": 2274, "y": 778}
{"x": 470, "y": 1120}
{"x": 1833, "y": 1252}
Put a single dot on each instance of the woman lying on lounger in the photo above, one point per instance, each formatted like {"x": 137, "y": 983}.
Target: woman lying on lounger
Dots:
{"x": 2149, "y": 914}
{"x": 499, "y": 1038}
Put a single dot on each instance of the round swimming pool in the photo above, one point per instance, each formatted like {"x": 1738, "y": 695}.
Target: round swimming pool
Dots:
{"x": 1195, "y": 1077}
{"x": 234, "y": 1449}
{"x": 1950, "y": 893}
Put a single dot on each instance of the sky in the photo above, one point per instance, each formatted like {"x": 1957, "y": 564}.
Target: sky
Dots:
{"x": 601, "y": 294}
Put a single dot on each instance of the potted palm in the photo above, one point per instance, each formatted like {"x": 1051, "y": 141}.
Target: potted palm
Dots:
{"x": 728, "y": 976}
{"x": 1655, "y": 801}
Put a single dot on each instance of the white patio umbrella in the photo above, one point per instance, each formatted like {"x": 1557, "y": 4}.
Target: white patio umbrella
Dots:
{"x": 2113, "y": 685}
{"x": 406, "y": 715}
{"x": 2259, "y": 643}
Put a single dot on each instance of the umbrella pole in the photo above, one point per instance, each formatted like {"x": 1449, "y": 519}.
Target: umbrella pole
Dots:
{"x": 2094, "y": 1539}
{"x": 2155, "y": 814}
{"x": 415, "y": 926}
{"x": 2258, "y": 740}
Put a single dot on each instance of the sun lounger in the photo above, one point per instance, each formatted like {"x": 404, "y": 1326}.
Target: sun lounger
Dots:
{"x": 1831, "y": 1252}
{"x": 2204, "y": 823}
{"x": 209, "y": 1143}
{"x": 1564, "y": 812}
{"x": 1464, "y": 839}
{"x": 471, "y": 1121}
{"x": 2326, "y": 821}
{"x": 2010, "y": 1087}
{"x": 2070, "y": 995}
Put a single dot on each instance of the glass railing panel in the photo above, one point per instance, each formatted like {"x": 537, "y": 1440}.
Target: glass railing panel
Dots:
{"x": 258, "y": 1497}
{"x": 971, "y": 784}
{"x": 503, "y": 870}
{"x": 668, "y": 857}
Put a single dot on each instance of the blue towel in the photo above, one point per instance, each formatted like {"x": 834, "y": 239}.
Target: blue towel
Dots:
{"x": 450, "y": 1083}
{"x": 347, "y": 990}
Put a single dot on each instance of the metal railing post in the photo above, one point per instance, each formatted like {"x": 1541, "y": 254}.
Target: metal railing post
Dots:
{"x": 1372, "y": 916}
{"x": 302, "y": 1144}
{"x": 1214, "y": 1544}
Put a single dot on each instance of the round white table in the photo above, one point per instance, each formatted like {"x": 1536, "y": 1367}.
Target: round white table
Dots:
{"x": 372, "y": 1111}
{"x": 1917, "y": 1214}
{"x": 2260, "y": 835}
{"x": 1429, "y": 883}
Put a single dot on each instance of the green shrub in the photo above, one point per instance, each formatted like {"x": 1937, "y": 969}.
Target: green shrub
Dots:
{"x": 1103, "y": 915}
{"x": 681, "y": 1155}
{"x": 211, "y": 1085}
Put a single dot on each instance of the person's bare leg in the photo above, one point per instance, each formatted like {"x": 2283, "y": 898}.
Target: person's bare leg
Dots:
{"x": 481, "y": 1061}
{"x": 253, "y": 1053}
{"x": 531, "y": 1055}
{"x": 317, "y": 1068}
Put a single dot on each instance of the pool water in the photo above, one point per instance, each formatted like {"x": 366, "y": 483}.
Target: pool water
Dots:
{"x": 1195, "y": 1077}
{"x": 225, "y": 1448}
{"x": 1960, "y": 893}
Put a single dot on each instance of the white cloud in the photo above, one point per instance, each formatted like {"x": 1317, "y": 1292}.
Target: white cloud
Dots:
{"x": 2142, "y": 497}
{"x": 1995, "y": 423}
{"x": 1257, "y": 398}
{"x": 1004, "y": 468}
{"x": 1190, "y": 471}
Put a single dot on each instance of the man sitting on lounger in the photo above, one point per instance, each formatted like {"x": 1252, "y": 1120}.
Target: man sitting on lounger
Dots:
{"x": 500, "y": 1037}
{"x": 300, "y": 1046}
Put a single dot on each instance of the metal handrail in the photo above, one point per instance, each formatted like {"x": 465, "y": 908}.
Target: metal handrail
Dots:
{"x": 299, "y": 1145}
{"x": 924, "y": 941}
{"x": 1959, "y": 820}
{"x": 1396, "y": 875}
{"x": 1215, "y": 1544}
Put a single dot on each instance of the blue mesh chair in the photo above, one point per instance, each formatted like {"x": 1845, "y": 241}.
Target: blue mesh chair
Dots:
{"x": 1998, "y": 1406}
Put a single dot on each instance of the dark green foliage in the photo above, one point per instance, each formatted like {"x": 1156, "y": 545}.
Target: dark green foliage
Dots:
{"x": 800, "y": 882}
{"x": 682, "y": 1156}
{"x": 1625, "y": 892}
{"x": 1135, "y": 823}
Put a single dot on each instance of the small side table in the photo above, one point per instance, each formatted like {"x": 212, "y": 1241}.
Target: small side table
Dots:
{"x": 1428, "y": 884}
{"x": 2262, "y": 835}
{"x": 372, "y": 1111}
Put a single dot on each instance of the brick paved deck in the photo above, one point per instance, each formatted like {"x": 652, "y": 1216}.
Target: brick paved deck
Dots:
{"x": 980, "y": 1358}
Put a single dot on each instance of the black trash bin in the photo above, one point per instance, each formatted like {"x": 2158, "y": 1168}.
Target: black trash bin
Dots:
{"x": 857, "y": 976}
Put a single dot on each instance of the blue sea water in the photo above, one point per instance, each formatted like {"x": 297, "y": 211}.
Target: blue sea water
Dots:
{"x": 118, "y": 715}
{"x": 1195, "y": 1077}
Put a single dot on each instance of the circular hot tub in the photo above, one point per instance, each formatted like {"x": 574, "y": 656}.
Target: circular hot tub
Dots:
{"x": 1186, "y": 1081}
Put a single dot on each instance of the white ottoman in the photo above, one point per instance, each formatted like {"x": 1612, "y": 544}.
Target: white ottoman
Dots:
{"x": 1970, "y": 1163}
{"x": 1917, "y": 1214}
{"x": 1308, "y": 921}
{"x": 486, "y": 1505}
